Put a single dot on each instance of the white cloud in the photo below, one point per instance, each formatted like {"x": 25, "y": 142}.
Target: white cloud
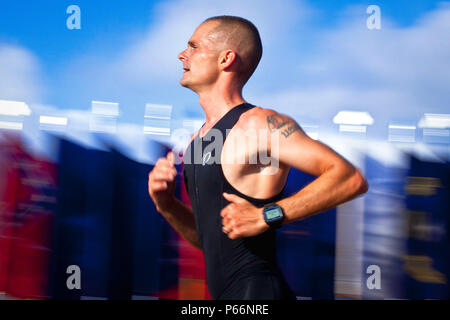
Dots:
{"x": 392, "y": 73}
{"x": 395, "y": 72}
{"x": 148, "y": 70}
{"x": 155, "y": 56}
{"x": 19, "y": 74}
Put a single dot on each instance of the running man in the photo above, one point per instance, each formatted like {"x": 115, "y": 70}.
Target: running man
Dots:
{"x": 237, "y": 205}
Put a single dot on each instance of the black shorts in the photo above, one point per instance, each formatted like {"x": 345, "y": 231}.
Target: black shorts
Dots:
{"x": 259, "y": 286}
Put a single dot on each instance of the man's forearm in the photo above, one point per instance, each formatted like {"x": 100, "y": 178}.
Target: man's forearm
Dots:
{"x": 181, "y": 218}
{"x": 332, "y": 188}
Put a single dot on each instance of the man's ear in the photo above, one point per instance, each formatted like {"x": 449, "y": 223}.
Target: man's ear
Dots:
{"x": 227, "y": 58}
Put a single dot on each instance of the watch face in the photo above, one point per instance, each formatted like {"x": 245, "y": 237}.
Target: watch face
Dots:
{"x": 273, "y": 213}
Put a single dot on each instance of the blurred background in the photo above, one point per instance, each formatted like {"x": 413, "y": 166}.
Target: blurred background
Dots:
{"x": 90, "y": 99}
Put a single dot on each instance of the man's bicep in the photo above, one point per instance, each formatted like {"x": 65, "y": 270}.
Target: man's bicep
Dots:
{"x": 296, "y": 149}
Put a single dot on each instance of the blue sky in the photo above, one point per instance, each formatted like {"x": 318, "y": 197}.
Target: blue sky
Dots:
{"x": 319, "y": 56}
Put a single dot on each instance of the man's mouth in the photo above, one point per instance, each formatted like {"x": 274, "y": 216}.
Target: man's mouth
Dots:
{"x": 186, "y": 70}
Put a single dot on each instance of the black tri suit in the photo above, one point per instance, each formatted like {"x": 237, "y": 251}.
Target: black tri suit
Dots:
{"x": 241, "y": 269}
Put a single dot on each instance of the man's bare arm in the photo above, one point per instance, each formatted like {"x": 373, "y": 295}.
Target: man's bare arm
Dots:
{"x": 181, "y": 218}
{"x": 337, "y": 181}
{"x": 161, "y": 188}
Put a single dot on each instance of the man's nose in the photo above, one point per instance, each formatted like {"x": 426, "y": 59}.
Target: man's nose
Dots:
{"x": 182, "y": 55}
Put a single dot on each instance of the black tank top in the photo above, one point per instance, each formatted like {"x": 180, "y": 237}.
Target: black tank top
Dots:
{"x": 227, "y": 261}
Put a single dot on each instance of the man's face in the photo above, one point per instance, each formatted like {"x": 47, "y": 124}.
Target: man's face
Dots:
{"x": 200, "y": 59}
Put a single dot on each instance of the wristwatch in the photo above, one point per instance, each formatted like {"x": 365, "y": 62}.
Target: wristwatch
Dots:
{"x": 273, "y": 215}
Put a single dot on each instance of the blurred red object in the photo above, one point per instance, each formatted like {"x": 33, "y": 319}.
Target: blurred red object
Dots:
{"x": 27, "y": 202}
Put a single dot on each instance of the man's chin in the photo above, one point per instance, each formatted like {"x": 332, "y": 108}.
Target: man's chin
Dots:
{"x": 186, "y": 84}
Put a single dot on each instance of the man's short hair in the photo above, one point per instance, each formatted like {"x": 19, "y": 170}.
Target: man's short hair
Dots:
{"x": 241, "y": 32}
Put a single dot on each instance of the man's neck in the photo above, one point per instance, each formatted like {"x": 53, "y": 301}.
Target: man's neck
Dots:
{"x": 216, "y": 106}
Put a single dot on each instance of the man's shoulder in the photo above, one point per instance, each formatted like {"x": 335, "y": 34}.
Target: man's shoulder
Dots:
{"x": 257, "y": 118}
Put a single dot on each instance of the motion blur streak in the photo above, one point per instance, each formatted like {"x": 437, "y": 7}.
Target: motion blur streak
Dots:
{"x": 80, "y": 198}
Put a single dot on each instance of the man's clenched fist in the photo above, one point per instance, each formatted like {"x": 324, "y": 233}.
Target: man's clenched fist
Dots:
{"x": 162, "y": 182}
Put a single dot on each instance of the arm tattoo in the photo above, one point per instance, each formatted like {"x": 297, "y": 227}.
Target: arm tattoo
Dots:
{"x": 276, "y": 122}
